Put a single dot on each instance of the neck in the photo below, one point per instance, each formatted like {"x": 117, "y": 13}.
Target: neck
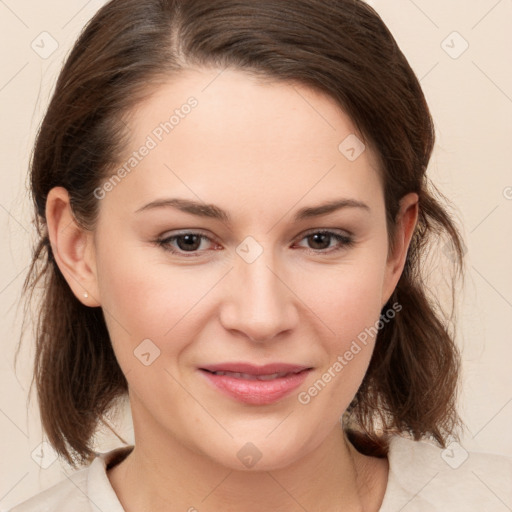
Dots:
{"x": 161, "y": 474}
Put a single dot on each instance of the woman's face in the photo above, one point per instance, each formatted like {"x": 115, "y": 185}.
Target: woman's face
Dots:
{"x": 250, "y": 278}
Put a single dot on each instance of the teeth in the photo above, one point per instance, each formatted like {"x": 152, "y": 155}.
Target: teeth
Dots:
{"x": 252, "y": 377}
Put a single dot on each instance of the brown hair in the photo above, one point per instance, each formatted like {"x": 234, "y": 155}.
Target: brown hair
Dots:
{"x": 341, "y": 48}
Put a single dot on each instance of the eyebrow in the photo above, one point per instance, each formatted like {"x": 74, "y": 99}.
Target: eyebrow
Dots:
{"x": 214, "y": 212}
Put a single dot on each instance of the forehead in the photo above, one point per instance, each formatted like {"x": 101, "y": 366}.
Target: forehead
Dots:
{"x": 212, "y": 131}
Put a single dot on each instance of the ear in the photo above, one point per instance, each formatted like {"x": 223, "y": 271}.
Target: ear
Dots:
{"x": 72, "y": 246}
{"x": 407, "y": 218}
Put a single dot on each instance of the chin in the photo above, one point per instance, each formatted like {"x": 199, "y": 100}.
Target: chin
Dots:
{"x": 262, "y": 455}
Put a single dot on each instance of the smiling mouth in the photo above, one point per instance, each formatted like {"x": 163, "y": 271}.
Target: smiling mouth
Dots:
{"x": 257, "y": 388}
{"x": 248, "y": 376}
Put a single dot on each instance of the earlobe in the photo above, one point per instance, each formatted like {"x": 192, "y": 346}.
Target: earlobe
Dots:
{"x": 72, "y": 247}
{"x": 405, "y": 225}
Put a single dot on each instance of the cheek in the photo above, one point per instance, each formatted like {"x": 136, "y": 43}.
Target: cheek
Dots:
{"x": 348, "y": 303}
{"x": 347, "y": 298}
{"x": 146, "y": 298}
{"x": 134, "y": 294}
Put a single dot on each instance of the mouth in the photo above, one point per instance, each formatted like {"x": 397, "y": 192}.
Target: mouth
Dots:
{"x": 248, "y": 376}
{"x": 253, "y": 370}
{"x": 255, "y": 385}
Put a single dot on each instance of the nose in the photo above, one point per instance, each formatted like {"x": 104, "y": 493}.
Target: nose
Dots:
{"x": 258, "y": 301}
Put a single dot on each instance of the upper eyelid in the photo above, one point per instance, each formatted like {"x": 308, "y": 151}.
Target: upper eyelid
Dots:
{"x": 336, "y": 231}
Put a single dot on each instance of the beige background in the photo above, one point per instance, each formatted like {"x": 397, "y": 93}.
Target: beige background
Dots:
{"x": 470, "y": 95}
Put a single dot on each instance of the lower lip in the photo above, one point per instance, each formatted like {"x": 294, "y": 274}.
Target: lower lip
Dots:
{"x": 257, "y": 392}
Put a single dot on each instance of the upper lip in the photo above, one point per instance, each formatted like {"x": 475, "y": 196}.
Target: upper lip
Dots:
{"x": 250, "y": 369}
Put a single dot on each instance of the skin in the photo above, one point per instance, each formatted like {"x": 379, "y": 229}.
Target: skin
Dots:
{"x": 261, "y": 152}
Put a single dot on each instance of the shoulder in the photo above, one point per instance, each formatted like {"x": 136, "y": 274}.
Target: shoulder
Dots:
{"x": 86, "y": 490}
{"x": 425, "y": 477}
{"x": 68, "y": 494}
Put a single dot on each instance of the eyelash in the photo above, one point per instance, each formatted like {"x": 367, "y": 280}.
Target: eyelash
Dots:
{"x": 345, "y": 241}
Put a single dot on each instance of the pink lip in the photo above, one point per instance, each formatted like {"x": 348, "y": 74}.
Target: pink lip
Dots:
{"x": 256, "y": 392}
{"x": 251, "y": 369}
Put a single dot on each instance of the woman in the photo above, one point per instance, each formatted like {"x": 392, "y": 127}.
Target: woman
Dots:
{"x": 233, "y": 212}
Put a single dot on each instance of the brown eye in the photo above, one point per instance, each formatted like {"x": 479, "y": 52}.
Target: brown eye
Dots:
{"x": 185, "y": 244}
{"x": 321, "y": 242}
{"x": 189, "y": 242}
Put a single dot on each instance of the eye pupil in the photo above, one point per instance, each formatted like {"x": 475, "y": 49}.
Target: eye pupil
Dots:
{"x": 319, "y": 239}
{"x": 192, "y": 242}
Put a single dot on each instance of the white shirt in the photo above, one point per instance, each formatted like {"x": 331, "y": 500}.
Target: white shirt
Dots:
{"x": 422, "y": 478}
